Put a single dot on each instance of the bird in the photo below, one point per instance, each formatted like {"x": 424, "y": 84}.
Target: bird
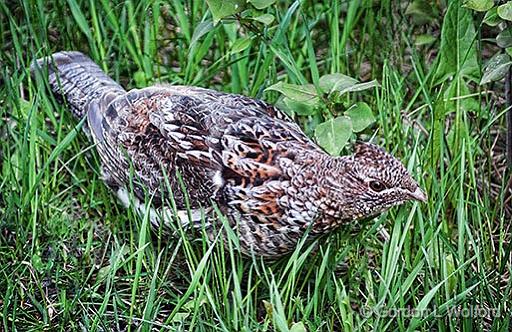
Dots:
{"x": 210, "y": 152}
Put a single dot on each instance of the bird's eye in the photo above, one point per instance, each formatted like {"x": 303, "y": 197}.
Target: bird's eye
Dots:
{"x": 377, "y": 186}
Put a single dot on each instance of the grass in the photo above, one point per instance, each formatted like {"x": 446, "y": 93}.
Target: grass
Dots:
{"x": 71, "y": 258}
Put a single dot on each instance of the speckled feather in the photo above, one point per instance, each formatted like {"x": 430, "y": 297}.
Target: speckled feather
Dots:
{"x": 270, "y": 180}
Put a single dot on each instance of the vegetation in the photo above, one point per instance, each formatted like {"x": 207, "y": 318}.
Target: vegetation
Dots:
{"x": 404, "y": 74}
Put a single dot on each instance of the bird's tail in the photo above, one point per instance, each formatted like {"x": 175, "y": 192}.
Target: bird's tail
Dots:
{"x": 77, "y": 80}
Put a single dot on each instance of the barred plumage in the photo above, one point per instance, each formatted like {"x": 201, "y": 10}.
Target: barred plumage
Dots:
{"x": 270, "y": 180}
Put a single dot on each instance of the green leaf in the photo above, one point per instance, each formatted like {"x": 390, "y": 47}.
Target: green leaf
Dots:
{"x": 496, "y": 68}
{"x": 266, "y": 19}
{"x": 261, "y": 4}
{"x": 311, "y": 122}
{"x": 504, "y": 38}
{"x": 103, "y": 272}
{"x": 331, "y": 82}
{"x": 202, "y": 29}
{"x": 224, "y": 8}
{"x": 343, "y": 84}
{"x": 241, "y": 44}
{"x": 450, "y": 268}
{"x": 479, "y": 5}
{"x": 290, "y": 64}
{"x": 140, "y": 79}
{"x": 422, "y": 305}
{"x": 302, "y": 93}
{"x": 269, "y": 308}
{"x": 298, "y": 327}
{"x": 421, "y": 11}
{"x": 180, "y": 317}
{"x": 424, "y": 39}
{"x": 298, "y": 107}
{"x": 419, "y": 7}
{"x": 360, "y": 87}
{"x": 459, "y": 96}
{"x": 505, "y": 11}
{"x": 361, "y": 116}
{"x": 458, "y": 54}
{"x": 80, "y": 18}
{"x": 491, "y": 18}
{"x": 37, "y": 263}
{"x": 332, "y": 135}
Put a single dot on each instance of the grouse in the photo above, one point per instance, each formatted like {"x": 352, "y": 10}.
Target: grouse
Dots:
{"x": 238, "y": 154}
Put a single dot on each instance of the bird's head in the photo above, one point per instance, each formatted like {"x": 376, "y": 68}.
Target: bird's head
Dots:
{"x": 367, "y": 183}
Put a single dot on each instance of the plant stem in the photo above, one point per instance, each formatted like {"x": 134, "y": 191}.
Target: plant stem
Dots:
{"x": 508, "y": 93}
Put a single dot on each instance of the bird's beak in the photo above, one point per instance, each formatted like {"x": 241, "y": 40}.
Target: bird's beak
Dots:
{"x": 419, "y": 195}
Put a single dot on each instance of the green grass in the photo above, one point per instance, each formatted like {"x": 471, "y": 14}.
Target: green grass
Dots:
{"x": 71, "y": 258}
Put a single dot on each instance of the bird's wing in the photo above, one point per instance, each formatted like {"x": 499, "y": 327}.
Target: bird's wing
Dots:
{"x": 211, "y": 139}
{"x": 135, "y": 144}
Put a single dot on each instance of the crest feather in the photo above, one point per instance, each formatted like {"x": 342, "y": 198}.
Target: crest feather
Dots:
{"x": 368, "y": 150}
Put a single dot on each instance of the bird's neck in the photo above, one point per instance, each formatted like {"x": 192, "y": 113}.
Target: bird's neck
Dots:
{"x": 308, "y": 194}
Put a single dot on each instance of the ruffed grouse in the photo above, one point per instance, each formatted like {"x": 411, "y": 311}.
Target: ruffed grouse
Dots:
{"x": 270, "y": 180}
